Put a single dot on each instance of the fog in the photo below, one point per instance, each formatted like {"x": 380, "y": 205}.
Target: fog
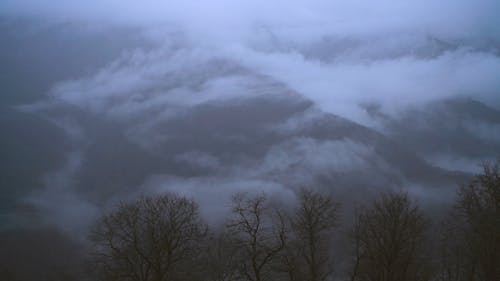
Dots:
{"x": 105, "y": 101}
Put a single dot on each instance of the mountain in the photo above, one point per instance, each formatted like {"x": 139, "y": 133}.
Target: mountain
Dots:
{"x": 89, "y": 133}
{"x": 455, "y": 133}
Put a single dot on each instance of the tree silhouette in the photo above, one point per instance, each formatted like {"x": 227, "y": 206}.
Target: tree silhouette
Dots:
{"x": 472, "y": 248}
{"x": 259, "y": 235}
{"x": 308, "y": 252}
{"x": 151, "y": 239}
{"x": 389, "y": 240}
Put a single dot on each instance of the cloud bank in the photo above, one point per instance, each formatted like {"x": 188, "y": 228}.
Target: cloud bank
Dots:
{"x": 340, "y": 54}
{"x": 245, "y": 95}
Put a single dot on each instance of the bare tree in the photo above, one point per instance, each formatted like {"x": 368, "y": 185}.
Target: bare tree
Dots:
{"x": 151, "y": 239}
{"x": 474, "y": 230}
{"x": 390, "y": 241}
{"x": 308, "y": 254}
{"x": 454, "y": 261}
{"x": 259, "y": 234}
{"x": 220, "y": 258}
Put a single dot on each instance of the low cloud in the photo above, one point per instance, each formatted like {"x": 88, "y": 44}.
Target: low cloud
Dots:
{"x": 214, "y": 194}
{"x": 255, "y": 96}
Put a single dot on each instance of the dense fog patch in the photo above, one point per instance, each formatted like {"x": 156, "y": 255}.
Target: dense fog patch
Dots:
{"x": 106, "y": 101}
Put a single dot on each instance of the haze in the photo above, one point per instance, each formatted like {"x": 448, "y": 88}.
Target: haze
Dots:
{"x": 105, "y": 101}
